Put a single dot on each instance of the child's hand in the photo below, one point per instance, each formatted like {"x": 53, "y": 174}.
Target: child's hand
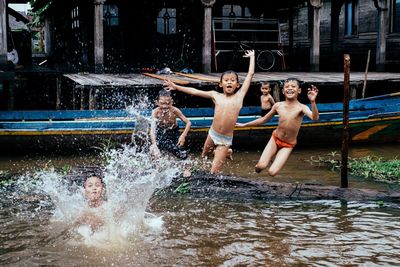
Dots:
{"x": 181, "y": 140}
{"x": 312, "y": 93}
{"x": 240, "y": 124}
{"x": 155, "y": 152}
{"x": 168, "y": 85}
{"x": 249, "y": 53}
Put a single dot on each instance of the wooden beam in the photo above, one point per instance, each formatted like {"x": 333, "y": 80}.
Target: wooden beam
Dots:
{"x": 98, "y": 36}
{"x": 382, "y": 7}
{"x": 315, "y": 46}
{"x": 206, "y": 55}
{"x": 3, "y": 33}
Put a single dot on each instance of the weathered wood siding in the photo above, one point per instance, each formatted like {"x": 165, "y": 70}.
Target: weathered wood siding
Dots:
{"x": 356, "y": 45}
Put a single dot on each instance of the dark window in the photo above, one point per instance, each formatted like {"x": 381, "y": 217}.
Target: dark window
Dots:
{"x": 166, "y": 21}
{"x": 235, "y": 11}
{"x": 75, "y": 18}
{"x": 395, "y": 16}
{"x": 111, "y": 15}
{"x": 350, "y": 18}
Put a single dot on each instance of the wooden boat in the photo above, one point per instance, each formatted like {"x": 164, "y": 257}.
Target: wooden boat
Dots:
{"x": 373, "y": 119}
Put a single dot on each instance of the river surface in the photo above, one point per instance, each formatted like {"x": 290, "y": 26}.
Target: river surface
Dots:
{"x": 297, "y": 168}
{"x": 183, "y": 231}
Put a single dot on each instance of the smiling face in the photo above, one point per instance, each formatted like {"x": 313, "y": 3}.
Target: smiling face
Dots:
{"x": 229, "y": 83}
{"x": 94, "y": 189}
{"x": 291, "y": 89}
{"x": 265, "y": 89}
{"x": 164, "y": 102}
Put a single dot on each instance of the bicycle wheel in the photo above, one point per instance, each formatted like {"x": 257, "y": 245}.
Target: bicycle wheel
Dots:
{"x": 265, "y": 60}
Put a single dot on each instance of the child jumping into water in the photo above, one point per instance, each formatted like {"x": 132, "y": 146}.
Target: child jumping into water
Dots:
{"x": 227, "y": 108}
{"x": 267, "y": 101}
{"x": 164, "y": 130}
{"x": 94, "y": 191}
{"x": 284, "y": 137}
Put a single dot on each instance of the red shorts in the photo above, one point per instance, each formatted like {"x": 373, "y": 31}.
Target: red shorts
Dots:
{"x": 280, "y": 143}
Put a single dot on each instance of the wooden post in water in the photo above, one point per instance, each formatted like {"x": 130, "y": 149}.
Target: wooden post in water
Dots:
{"x": 345, "y": 134}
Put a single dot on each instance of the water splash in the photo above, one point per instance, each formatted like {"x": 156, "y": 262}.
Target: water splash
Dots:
{"x": 131, "y": 178}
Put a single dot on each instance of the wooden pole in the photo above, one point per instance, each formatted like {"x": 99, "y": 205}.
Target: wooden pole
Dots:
{"x": 206, "y": 53}
{"x": 366, "y": 74}
{"x": 382, "y": 7}
{"x": 315, "y": 46}
{"x": 3, "y": 33}
{"x": 345, "y": 132}
{"x": 98, "y": 36}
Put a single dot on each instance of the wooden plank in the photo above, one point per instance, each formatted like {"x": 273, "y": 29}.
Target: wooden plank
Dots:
{"x": 197, "y": 77}
{"x": 152, "y": 80}
{"x": 164, "y": 78}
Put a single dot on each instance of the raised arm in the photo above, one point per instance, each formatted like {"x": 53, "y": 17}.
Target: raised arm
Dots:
{"x": 261, "y": 120}
{"x": 154, "y": 150}
{"x": 169, "y": 85}
{"x": 182, "y": 137}
{"x": 153, "y": 127}
{"x": 313, "y": 114}
{"x": 246, "y": 84}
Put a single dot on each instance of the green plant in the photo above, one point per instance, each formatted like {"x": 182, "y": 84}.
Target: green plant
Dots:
{"x": 38, "y": 15}
{"x": 183, "y": 188}
{"x": 380, "y": 203}
{"x": 367, "y": 167}
{"x": 65, "y": 169}
{"x": 104, "y": 146}
{"x": 6, "y": 178}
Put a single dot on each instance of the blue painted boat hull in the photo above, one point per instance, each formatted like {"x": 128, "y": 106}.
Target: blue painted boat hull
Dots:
{"x": 374, "y": 119}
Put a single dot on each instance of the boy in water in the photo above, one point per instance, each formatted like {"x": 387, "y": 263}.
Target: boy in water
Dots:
{"x": 226, "y": 112}
{"x": 267, "y": 101}
{"x": 284, "y": 137}
{"x": 164, "y": 131}
{"x": 94, "y": 191}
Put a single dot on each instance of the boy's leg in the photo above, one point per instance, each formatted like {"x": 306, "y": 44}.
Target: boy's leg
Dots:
{"x": 280, "y": 160}
{"x": 269, "y": 151}
{"x": 220, "y": 155}
{"x": 208, "y": 147}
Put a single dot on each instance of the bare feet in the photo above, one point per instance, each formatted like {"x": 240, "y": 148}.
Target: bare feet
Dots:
{"x": 230, "y": 153}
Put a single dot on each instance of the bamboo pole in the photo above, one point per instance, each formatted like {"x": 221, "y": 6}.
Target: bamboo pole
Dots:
{"x": 366, "y": 74}
{"x": 345, "y": 132}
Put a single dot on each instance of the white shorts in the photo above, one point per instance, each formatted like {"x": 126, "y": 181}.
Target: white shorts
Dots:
{"x": 220, "y": 139}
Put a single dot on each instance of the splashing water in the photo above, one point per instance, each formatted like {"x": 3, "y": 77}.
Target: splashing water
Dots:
{"x": 131, "y": 177}
{"x": 142, "y": 114}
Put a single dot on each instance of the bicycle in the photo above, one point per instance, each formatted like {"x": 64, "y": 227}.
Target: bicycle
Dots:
{"x": 265, "y": 59}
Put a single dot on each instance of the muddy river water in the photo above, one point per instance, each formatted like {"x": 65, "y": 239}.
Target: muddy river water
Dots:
{"x": 182, "y": 231}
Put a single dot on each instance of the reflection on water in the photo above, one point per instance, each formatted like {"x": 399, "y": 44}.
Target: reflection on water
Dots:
{"x": 212, "y": 232}
{"x": 36, "y": 216}
{"x": 297, "y": 169}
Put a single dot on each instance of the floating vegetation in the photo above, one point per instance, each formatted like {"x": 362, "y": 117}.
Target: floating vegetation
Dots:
{"x": 369, "y": 167}
{"x": 183, "y": 188}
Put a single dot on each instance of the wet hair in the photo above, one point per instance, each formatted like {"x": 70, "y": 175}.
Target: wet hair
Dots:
{"x": 164, "y": 93}
{"x": 229, "y": 72}
{"x": 291, "y": 79}
{"x": 265, "y": 83}
{"x": 93, "y": 175}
